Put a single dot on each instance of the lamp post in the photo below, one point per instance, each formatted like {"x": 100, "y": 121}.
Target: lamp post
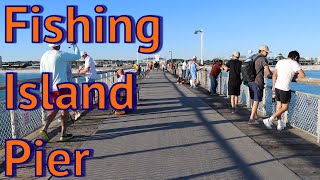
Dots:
{"x": 171, "y": 55}
{"x": 137, "y": 57}
{"x": 201, "y": 44}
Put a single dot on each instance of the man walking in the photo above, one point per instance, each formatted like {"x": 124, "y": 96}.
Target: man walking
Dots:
{"x": 234, "y": 83}
{"x": 215, "y": 71}
{"x": 256, "y": 87}
{"x": 284, "y": 72}
{"x": 56, "y": 62}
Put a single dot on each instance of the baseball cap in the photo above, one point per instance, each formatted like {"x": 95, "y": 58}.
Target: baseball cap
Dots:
{"x": 236, "y": 54}
{"x": 54, "y": 45}
{"x": 82, "y": 53}
{"x": 194, "y": 57}
{"x": 264, "y": 48}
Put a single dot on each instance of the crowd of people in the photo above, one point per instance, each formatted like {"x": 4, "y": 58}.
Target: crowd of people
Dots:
{"x": 251, "y": 72}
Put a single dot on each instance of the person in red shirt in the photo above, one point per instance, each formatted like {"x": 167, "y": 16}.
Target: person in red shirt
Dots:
{"x": 215, "y": 71}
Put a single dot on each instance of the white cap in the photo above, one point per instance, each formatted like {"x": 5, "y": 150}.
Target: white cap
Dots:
{"x": 54, "y": 45}
{"x": 236, "y": 54}
{"x": 194, "y": 57}
{"x": 82, "y": 53}
{"x": 264, "y": 48}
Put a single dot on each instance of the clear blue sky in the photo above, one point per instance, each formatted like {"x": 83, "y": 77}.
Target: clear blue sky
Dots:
{"x": 229, "y": 25}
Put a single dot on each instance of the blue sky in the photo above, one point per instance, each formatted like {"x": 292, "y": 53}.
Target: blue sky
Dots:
{"x": 229, "y": 25}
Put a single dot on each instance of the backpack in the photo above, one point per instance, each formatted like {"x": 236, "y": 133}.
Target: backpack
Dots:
{"x": 248, "y": 69}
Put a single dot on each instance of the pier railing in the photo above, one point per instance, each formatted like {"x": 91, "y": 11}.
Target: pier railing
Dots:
{"x": 19, "y": 123}
{"x": 304, "y": 108}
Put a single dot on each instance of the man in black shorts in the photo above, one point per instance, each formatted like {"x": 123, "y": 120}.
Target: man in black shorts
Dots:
{"x": 234, "y": 83}
{"x": 284, "y": 72}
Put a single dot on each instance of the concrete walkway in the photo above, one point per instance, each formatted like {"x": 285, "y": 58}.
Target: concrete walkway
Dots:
{"x": 174, "y": 135}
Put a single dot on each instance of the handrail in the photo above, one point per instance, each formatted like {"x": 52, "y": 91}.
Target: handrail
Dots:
{"x": 38, "y": 80}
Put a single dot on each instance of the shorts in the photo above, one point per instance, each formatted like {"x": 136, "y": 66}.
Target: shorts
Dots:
{"x": 234, "y": 87}
{"x": 256, "y": 91}
{"x": 283, "y": 96}
{"x": 56, "y": 94}
{"x": 193, "y": 75}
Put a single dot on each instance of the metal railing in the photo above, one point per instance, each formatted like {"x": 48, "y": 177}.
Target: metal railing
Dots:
{"x": 19, "y": 123}
{"x": 304, "y": 108}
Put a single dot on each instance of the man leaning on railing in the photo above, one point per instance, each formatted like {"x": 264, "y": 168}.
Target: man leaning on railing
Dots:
{"x": 284, "y": 72}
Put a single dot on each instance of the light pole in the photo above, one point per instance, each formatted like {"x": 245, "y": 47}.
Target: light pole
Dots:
{"x": 137, "y": 56}
{"x": 201, "y": 44}
{"x": 171, "y": 56}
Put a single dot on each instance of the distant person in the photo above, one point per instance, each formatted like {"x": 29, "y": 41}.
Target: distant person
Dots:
{"x": 188, "y": 69}
{"x": 56, "y": 62}
{"x": 156, "y": 65}
{"x": 215, "y": 71}
{"x": 89, "y": 70}
{"x": 122, "y": 95}
{"x": 139, "y": 72}
{"x": 193, "y": 72}
{"x": 180, "y": 80}
{"x": 256, "y": 87}
{"x": 234, "y": 82}
{"x": 184, "y": 68}
{"x": 284, "y": 72}
{"x": 163, "y": 67}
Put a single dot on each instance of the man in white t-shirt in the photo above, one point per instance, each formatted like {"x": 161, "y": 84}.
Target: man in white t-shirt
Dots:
{"x": 284, "y": 72}
{"x": 89, "y": 70}
{"x": 56, "y": 62}
{"x": 184, "y": 67}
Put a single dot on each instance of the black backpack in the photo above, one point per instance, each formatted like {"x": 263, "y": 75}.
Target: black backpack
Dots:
{"x": 248, "y": 69}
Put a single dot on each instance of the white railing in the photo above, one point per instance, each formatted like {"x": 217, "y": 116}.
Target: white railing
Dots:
{"x": 19, "y": 123}
{"x": 303, "y": 112}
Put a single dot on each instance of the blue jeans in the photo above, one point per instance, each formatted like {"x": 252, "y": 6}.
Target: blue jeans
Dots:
{"x": 183, "y": 73}
{"x": 214, "y": 84}
{"x": 187, "y": 75}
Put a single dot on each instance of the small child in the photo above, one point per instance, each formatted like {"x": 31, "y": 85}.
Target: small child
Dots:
{"x": 180, "y": 80}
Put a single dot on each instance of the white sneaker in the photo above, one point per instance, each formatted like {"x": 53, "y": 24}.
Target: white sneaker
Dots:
{"x": 267, "y": 123}
{"x": 77, "y": 115}
{"x": 281, "y": 125}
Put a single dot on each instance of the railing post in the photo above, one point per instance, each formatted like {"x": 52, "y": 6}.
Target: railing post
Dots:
{"x": 227, "y": 86}
{"x": 248, "y": 98}
{"x": 205, "y": 79}
{"x": 14, "y": 123}
{"x": 43, "y": 116}
{"x": 318, "y": 123}
{"x": 106, "y": 80}
{"x": 76, "y": 80}
{"x": 101, "y": 77}
{"x": 264, "y": 99}
{"x": 220, "y": 85}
